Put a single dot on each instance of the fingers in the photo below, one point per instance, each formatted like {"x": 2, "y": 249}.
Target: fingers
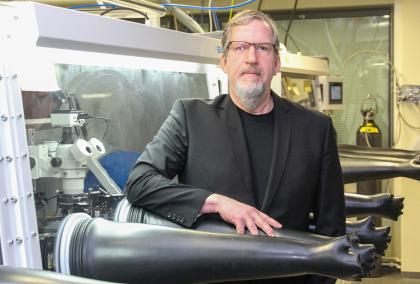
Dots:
{"x": 266, "y": 223}
{"x": 243, "y": 216}
{"x": 272, "y": 222}
{"x": 257, "y": 220}
{"x": 252, "y": 228}
{"x": 240, "y": 229}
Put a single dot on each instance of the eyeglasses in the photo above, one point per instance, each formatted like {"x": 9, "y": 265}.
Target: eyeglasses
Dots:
{"x": 242, "y": 47}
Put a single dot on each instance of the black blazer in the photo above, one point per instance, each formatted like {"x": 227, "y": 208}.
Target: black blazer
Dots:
{"x": 203, "y": 143}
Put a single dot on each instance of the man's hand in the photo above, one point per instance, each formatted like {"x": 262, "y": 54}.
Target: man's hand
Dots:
{"x": 239, "y": 214}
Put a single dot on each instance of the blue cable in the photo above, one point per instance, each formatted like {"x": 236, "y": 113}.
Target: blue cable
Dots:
{"x": 216, "y": 21}
{"x": 93, "y": 5}
{"x": 209, "y": 8}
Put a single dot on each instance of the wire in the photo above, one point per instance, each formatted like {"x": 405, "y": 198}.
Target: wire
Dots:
{"x": 259, "y": 5}
{"x": 124, "y": 8}
{"x": 290, "y": 23}
{"x": 405, "y": 120}
{"x": 210, "y": 18}
{"x": 106, "y": 122}
{"x": 231, "y": 9}
{"x": 291, "y": 37}
{"x": 202, "y": 13}
{"x": 367, "y": 139}
{"x": 395, "y": 140}
{"x": 208, "y": 8}
{"x": 216, "y": 21}
{"x": 372, "y": 52}
{"x": 175, "y": 22}
{"x": 91, "y": 6}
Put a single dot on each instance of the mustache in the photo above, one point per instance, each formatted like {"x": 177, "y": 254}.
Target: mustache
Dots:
{"x": 250, "y": 70}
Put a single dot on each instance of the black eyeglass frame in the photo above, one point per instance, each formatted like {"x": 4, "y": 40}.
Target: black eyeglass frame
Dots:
{"x": 275, "y": 48}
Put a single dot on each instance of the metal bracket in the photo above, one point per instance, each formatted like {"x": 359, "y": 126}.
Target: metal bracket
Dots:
{"x": 409, "y": 94}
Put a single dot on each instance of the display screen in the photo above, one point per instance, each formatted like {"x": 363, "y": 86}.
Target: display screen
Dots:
{"x": 336, "y": 93}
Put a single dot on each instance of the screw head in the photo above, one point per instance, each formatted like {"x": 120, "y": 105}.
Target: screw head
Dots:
{"x": 24, "y": 155}
{"x": 13, "y": 199}
{"x": 33, "y": 234}
{"x": 19, "y": 115}
{"x": 19, "y": 240}
{"x": 1, "y": 159}
{"x": 29, "y": 194}
{"x": 5, "y": 199}
{"x": 10, "y": 242}
{"x": 9, "y": 159}
{"x": 4, "y": 117}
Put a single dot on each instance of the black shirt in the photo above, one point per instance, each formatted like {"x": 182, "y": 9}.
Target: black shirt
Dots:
{"x": 259, "y": 135}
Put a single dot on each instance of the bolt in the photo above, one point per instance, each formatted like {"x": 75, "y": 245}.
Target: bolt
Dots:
{"x": 29, "y": 194}
{"x": 19, "y": 240}
{"x": 9, "y": 159}
{"x": 4, "y": 117}
{"x": 19, "y": 115}
{"x": 33, "y": 234}
{"x": 13, "y": 199}
{"x": 24, "y": 155}
{"x": 5, "y": 200}
{"x": 10, "y": 242}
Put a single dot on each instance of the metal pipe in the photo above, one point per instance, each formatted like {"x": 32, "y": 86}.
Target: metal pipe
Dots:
{"x": 184, "y": 18}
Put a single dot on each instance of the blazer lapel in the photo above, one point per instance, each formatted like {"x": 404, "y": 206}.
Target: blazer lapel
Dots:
{"x": 282, "y": 131}
{"x": 237, "y": 141}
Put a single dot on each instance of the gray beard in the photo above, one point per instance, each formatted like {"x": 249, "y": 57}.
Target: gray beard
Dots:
{"x": 250, "y": 97}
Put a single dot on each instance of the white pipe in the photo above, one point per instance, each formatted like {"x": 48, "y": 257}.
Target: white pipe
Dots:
{"x": 183, "y": 17}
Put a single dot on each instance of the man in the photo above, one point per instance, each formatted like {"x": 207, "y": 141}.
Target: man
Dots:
{"x": 251, "y": 157}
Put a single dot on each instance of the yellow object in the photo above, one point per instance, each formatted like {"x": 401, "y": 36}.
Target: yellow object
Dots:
{"x": 231, "y": 9}
{"x": 368, "y": 129}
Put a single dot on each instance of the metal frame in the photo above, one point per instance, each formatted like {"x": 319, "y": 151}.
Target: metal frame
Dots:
{"x": 82, "y": 31}
{"x": 18, "y": 226}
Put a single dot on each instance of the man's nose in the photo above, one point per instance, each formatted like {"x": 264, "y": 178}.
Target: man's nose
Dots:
{"x": 251, "y": 55}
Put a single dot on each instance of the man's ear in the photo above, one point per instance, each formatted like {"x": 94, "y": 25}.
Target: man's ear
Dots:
{"x": 223, "y": 63}
{"x": 277, "y": 65}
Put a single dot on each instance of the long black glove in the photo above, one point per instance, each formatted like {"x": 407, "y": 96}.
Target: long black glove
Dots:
{"x": 376, "y": 152}
{"x": 363, "y": 163}
{"x": 212, "y": 223}
{"x": 382, "y": 205}
{"x": 106, "y": 250}
{"x": 369, "y": 234}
